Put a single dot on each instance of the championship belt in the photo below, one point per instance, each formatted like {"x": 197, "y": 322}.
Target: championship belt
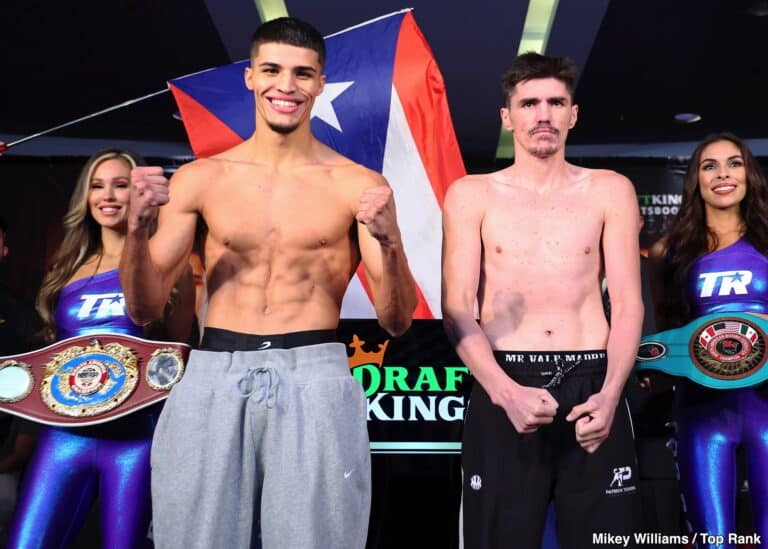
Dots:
{"x": 719, "y": 351}
{"x": 89, "y": 379}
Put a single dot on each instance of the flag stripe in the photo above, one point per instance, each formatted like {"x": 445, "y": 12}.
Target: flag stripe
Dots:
{"x": 357, "y": 303}
{"x": 418, "y": 212}
{"x": 222, "y": 91}
{"x": 351, "y": 309}
{"x": 200, "y": 123}
{"x": 418, "y": 77}
{"x": 360, "y": 274}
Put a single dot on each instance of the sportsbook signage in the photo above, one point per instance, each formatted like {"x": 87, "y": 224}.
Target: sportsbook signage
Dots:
{"x": 415, "y": 385}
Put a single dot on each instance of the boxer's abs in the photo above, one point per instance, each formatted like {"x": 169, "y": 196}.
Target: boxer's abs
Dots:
{"x": 552, "y": 315}
{"x": 303, "y": 293}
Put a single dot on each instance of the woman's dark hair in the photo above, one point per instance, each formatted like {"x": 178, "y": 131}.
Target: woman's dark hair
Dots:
{"x": 689, "y": 237}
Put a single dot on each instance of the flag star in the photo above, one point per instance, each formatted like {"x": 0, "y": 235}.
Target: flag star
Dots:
{"x": 323, "y": 107}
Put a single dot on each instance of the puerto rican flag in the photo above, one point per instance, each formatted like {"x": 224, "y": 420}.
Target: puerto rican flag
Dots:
{"x": 384, "y": 106}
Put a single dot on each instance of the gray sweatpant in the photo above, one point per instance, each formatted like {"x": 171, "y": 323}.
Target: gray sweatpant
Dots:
{"x": 277, "y": 437}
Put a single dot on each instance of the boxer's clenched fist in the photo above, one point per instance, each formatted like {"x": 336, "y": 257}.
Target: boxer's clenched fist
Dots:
{"x": 149, "y": 191}
{"x": 377, "y": 212}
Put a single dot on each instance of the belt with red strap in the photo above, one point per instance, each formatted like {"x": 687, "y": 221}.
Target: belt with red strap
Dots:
{"x": 90, "y": 379}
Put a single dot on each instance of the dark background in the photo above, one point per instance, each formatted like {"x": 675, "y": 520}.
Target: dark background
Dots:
{"x": 642, "y": 62}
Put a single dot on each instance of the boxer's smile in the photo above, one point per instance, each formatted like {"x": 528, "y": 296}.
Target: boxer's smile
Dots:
{"x": 285, "y": 80}
{"x": 285, "y": 105}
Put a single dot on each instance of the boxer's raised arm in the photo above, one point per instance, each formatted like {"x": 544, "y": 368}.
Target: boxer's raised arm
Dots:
{"x": 386, "y": 267}
{"x": 149, "y": 269}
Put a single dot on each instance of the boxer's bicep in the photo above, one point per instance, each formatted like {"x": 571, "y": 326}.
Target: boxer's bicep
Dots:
{"x": 462, "y": 248}
{"x": 172, "y": 243}
{"x": 621, "y": 247}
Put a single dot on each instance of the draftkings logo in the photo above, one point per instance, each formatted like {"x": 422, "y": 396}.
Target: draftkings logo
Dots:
{"x": 399, "y": 393}
{"x": 620, "y": 482}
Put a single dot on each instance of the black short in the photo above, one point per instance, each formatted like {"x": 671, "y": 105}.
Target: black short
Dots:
{"x": 510, "y": 478}
{"x": 217, "y": 339}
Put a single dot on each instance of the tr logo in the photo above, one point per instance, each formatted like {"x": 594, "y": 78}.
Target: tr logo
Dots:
{"x": 621, "y": 475}
{"x": 102, "y": 305}
{"x": 475, "y": 482}
{"x": 735, "y": 282}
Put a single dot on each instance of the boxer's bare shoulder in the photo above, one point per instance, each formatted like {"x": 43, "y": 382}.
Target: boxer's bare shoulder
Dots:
{"x": 467, "y": 197}
{"x": 345, "y": 174}
{"x": 608, "y": 185}
{"x": 189, "y": 183}
{"x": 471, "y": 184}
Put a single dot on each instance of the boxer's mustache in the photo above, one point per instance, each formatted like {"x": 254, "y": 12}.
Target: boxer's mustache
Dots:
{"x": 548, "y": 127}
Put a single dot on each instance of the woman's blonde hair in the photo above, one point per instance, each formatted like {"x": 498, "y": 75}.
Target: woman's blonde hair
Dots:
{"x": 82, "y": 238}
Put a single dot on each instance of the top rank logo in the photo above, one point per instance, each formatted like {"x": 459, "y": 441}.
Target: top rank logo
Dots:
{"x": 725, "y": 283}
{"x": 102, "y": 305}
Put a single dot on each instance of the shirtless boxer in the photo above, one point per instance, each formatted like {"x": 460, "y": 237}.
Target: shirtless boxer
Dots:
{"x": 546, "y": 417}
{"x": 269, "y": 426}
